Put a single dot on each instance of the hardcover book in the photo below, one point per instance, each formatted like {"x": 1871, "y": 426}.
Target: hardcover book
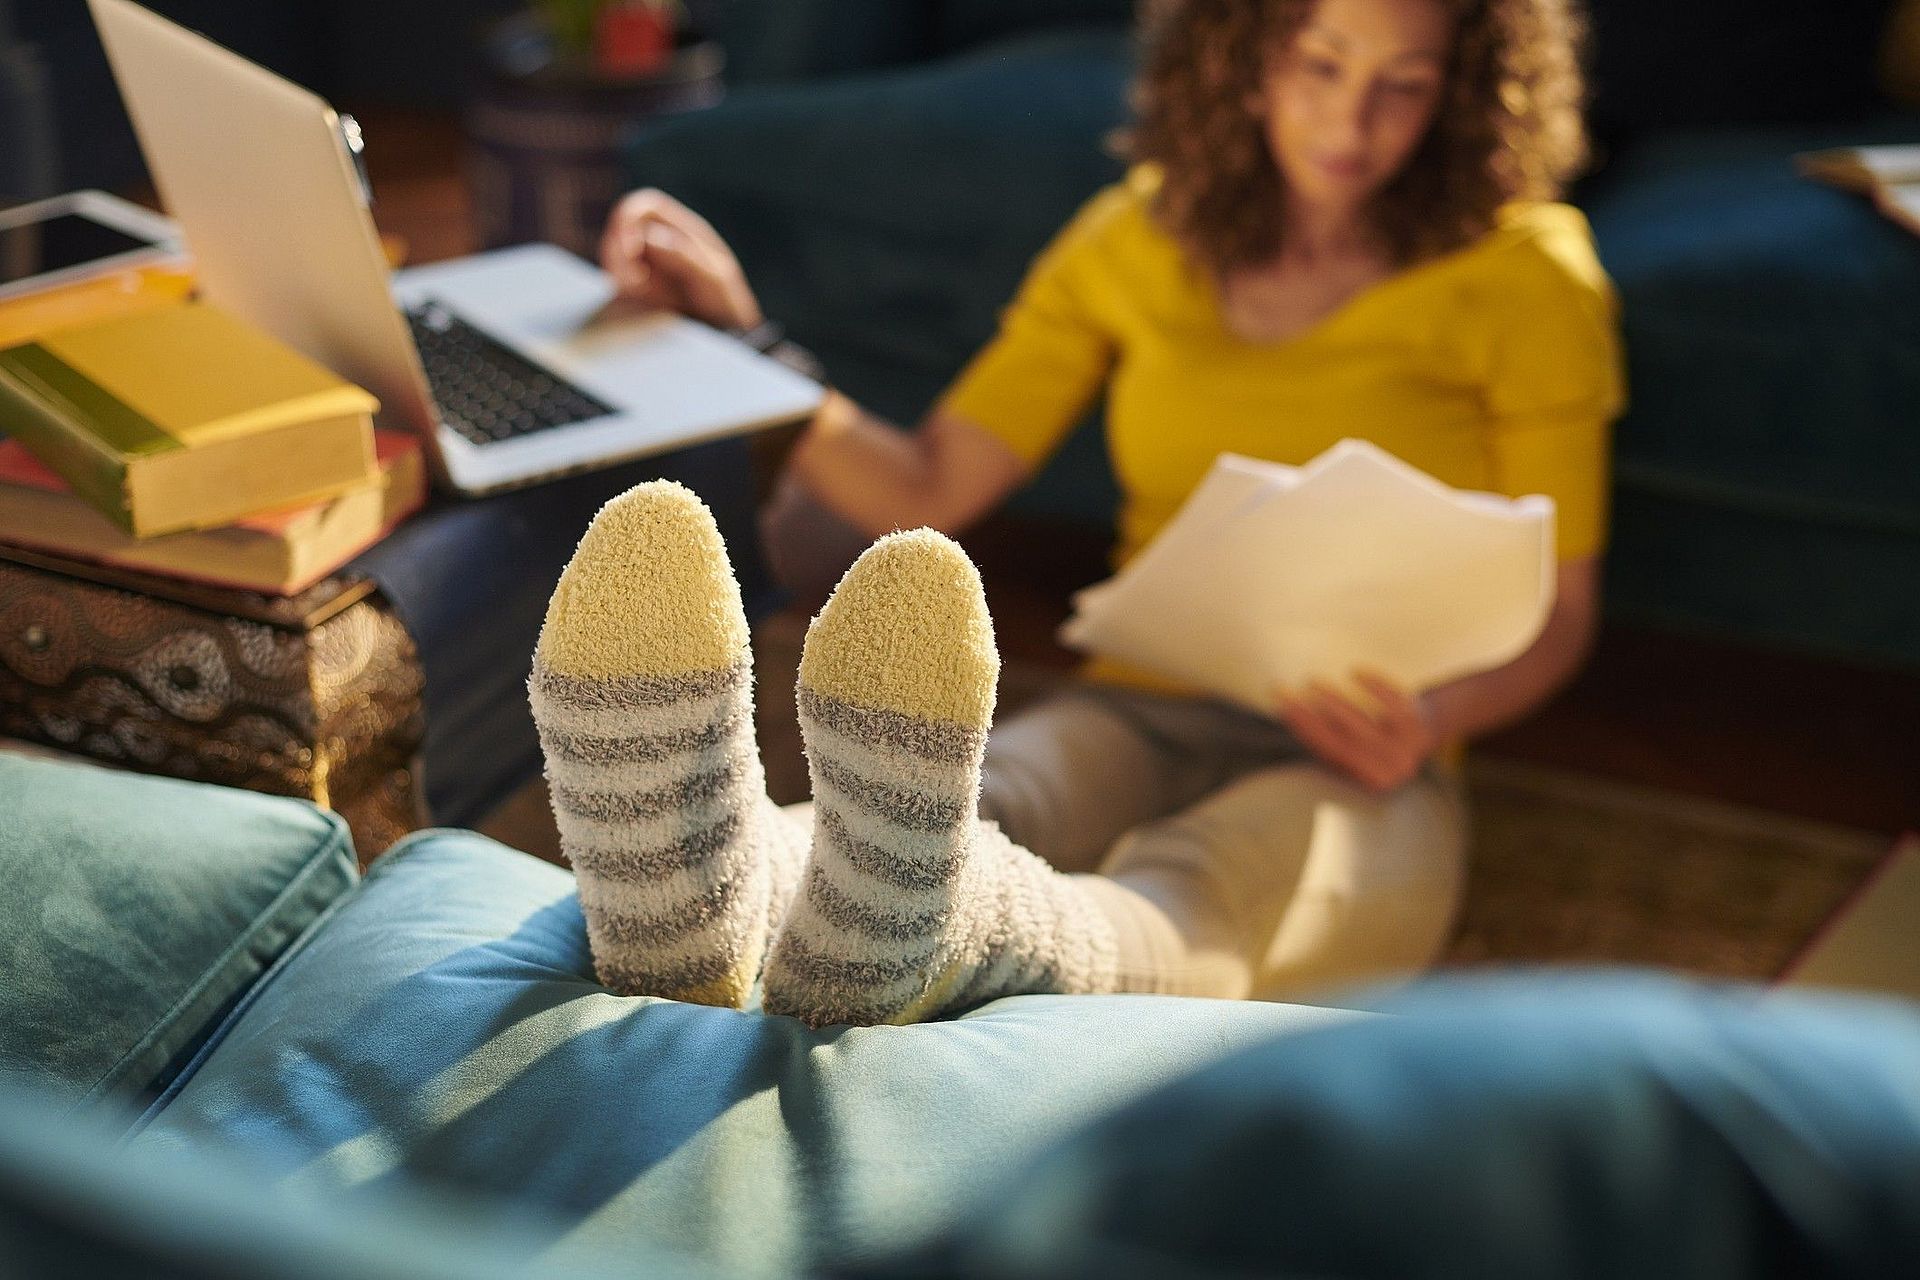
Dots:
{"x": 280, "y": 552}
{"x": 183, "y": 417}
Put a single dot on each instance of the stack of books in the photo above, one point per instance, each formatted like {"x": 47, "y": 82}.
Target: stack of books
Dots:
{"x": 181, "y": 441}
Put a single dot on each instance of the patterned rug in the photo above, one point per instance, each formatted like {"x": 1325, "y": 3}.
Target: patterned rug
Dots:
{"x": 1570, "y": 869}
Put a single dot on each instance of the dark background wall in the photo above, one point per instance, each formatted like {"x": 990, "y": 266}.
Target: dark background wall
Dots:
{"x": 61, "y": 122}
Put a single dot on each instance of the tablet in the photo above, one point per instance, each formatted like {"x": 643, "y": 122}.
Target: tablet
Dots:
{"x": 74, "y": 236}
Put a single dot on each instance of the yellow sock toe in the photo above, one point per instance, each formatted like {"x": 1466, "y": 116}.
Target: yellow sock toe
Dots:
{"x": 907, "y": 630}
{"x": 649, "y": 592}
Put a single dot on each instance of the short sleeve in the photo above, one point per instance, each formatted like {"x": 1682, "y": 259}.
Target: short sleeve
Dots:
{"x": 1050, "y": 358}
{"x": 1554, "y": 377}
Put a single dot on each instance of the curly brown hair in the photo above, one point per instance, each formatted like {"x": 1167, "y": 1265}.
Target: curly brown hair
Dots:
{"x": 1508, "y": 126}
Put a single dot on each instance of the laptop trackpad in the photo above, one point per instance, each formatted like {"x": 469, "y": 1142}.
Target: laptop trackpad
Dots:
{"x": 556, "y": 308}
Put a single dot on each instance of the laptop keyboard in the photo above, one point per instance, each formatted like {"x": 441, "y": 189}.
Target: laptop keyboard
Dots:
{"x": 486, "y": 391}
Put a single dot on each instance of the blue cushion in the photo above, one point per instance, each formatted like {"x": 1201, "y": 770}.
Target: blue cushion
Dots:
{"x": 1547, "y": 1125}
{"x": 444, "y": 1026}
{"x": 137, "y": 910}
{"x": 75, "y": 1204}
{"x": 1768, "y": 477}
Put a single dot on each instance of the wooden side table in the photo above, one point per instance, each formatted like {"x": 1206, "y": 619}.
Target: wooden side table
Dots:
{"x": 547, "y": 133}
{"x": 317, "y": 695}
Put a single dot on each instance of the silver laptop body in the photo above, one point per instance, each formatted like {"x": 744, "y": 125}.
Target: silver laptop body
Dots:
{"x": 273, "y": 210}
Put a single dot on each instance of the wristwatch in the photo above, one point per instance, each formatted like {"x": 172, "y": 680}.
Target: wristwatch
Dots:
{"x": 769, "y": 338}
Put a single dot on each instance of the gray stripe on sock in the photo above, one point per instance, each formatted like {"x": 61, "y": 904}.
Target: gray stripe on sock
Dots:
{"x": 589, "y": 748}
{"x": 942, "y": 741}
{"x": 844, "y": 977}
{"x": 646, "y": 980}
{"x": 628, "y": 929}
{"x": 609, "y": 693}
{"x": 913, "y": 810}
{"x": 634, "y": 866}
{"x": 843, "y": 912}
{"x": 876, "y": 862}
{"x": 618, "y": 806}
{"x": 1008, "y": 973}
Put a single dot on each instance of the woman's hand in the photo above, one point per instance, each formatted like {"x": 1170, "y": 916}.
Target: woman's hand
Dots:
{"x": 662, "y": 254}
{"x": 1380, "y": 747}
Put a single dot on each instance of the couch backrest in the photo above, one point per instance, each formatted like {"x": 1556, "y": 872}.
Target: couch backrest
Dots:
{"x": 964, "y": 24}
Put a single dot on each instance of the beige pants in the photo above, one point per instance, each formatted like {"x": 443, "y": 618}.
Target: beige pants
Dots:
{"x": 1230, "y": 862}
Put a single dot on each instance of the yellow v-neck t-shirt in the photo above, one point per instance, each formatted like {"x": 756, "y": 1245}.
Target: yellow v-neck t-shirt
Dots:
{"x": 1495, "y": 367}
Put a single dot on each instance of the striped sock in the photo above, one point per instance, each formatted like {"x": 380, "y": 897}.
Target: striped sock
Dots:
{"x": 642, "y": 690}
{"x": 911, "y": 906}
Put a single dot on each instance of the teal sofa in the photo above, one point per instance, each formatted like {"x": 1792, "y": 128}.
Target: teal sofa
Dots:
{"x": 224, "y": 1053}
{"x": 887, "y": 169}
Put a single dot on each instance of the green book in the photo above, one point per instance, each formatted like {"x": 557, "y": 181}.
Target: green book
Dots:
{"x": 184, "y": 417}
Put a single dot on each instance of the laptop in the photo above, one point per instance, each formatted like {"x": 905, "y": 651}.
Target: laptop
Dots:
{"x": 514, "y": 366}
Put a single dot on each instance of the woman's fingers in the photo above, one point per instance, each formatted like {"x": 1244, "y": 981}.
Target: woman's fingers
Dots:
{"x": 663, "y": 254}
{"x": 707, "y": 288}
{"x": 1309, "y": 723}
{"x": 692, "y": 225}
{"x": 624, "y": 255}
{"x": 1351, "y": 723}
{"x": 1394, "y": 705}
{"x": 1378, "y": 751}
{"x": 638, "y": 223}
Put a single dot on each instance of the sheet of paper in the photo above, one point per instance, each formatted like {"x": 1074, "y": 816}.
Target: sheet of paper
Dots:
{"x": 1273, "y": 575}
{"x": 1902, "y": 204}
{"x": 1891, "y": 164}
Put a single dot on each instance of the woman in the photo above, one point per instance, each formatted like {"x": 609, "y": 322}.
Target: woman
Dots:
{"x": 1339, "y": 225}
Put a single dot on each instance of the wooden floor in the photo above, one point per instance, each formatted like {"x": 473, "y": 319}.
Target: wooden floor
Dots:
{"x": 1814, "y": 739}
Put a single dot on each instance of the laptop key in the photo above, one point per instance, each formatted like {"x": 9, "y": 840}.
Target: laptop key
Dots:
{"x": 486, "y": 390}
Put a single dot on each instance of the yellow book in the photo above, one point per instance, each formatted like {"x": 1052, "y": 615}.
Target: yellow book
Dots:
{"x": 96, "y": 298}
{"x": 183, "y": 417}
{"x": 279, "y": 553}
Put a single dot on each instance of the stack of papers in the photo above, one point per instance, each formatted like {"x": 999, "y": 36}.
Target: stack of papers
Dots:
{"x": 1273, "y": 575}
{"x": 1890, "y": 176}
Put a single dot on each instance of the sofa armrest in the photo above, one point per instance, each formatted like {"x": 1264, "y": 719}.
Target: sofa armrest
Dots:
{"x": 138, "y": 911}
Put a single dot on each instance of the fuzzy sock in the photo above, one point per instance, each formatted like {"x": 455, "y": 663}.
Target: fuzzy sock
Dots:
{"x": 642, "y": 690}
{"x": 912, "y": 907}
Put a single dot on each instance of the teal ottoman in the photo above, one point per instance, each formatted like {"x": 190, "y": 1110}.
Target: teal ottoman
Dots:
{"x": 445, "y": 1029}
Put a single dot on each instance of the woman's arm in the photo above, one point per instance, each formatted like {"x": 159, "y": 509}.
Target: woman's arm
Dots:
{"x": 1385, "y": 744}
{"x": 879, "y": 478}
{"x": 1479, "y": 704}
{"x": 868, "y": 472}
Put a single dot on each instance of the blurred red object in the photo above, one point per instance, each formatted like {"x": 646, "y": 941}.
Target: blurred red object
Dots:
{"x": 633, "y": 37}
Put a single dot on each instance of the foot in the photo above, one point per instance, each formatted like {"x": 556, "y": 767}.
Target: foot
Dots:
{"x": 911, "y": 907}
{"x": 642, "y": 690}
